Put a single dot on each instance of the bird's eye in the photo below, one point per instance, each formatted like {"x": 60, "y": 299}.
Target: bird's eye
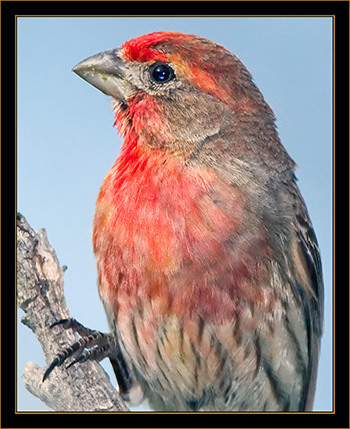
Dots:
{"x": 161, "y": 72}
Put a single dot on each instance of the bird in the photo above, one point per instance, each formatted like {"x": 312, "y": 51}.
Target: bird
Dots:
{"x": 208, "y": 265}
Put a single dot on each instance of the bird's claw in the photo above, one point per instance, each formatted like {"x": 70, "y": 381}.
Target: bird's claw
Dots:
{"x": 75, "y": 325}
{"x": 93, "y": 345}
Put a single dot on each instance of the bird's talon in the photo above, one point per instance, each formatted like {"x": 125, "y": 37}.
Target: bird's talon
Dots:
{"x": 93, "y": 345}
{"x": 61, "y": 322}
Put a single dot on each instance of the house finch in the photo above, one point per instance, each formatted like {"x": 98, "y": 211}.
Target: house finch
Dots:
{"x": 208, "y": 265}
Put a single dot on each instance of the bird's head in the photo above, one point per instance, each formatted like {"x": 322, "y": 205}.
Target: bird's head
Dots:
{"x": 174, "y": 90}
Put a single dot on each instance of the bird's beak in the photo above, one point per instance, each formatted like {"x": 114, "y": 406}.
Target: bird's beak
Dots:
{"x": 105, "y": 71}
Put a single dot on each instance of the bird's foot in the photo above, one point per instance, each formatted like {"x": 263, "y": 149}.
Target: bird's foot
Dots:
{"x": 93, "y": 345}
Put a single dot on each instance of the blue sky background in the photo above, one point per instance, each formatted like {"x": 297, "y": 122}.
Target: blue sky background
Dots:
{"x": 66, "y": 142}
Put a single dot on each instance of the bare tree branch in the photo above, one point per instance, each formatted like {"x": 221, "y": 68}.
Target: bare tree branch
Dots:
{"x": 83, "y": 387}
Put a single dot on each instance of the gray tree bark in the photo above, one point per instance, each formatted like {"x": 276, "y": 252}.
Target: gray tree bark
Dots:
{"x": 84, "y": 386}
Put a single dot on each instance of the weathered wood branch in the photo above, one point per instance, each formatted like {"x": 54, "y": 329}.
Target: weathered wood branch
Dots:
{"x": 82, "y": 387}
